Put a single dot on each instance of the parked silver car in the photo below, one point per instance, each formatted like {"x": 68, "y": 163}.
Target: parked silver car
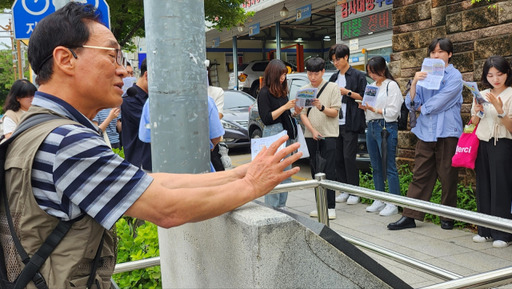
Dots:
{"x": 249, "y": 76}
{"x": 236, "y": 114}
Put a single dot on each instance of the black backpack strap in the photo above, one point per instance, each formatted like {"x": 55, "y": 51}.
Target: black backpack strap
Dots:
{"x": 95, "y": 263}
{"x": 31, "y": 270}
{"x": 32, "y": 265}
{"x": 317, "y": 96}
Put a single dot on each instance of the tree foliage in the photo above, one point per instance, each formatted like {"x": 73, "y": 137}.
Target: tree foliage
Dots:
{"x": 127, "y": 17}
{"x": 6, "y": 74}
{"x": 224, "y": 14}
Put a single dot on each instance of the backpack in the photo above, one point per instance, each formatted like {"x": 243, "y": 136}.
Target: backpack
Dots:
{"x": 404, "y": 111}
{"x": 32, "y": 264}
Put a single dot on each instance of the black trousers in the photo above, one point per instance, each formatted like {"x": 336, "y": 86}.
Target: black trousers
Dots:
{"x": 215, "y": 159}
{"x": 346, "y": 151}
{"x": 494, "y": 184}
{"x": 327, "y": 151}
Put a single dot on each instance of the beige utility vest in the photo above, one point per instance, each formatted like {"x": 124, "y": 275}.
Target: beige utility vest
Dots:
{"x": 69, "y": 265}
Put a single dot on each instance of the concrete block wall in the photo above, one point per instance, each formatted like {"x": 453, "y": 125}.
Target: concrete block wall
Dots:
{"x": 258, "y": 247}
{"x": 477, "y": 31}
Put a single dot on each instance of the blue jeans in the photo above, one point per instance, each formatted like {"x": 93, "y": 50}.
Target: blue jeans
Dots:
{"x": 373, "y": 142}
{"x": 277, "y": 200}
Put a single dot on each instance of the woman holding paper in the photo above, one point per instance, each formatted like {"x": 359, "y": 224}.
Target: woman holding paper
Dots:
{"x": 382, "y": 111}
{"x": 493, "y": 182}
{"x": 274, "y": 109}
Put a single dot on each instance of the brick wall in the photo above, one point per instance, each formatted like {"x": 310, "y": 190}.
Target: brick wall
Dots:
{"x": 477, "y": 31}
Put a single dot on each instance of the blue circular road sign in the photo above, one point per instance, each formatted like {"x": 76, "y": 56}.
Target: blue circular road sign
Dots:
{"x": 27, "y": 13}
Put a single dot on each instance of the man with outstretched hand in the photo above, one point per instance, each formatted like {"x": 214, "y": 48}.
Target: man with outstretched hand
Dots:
{"x": 62, "y": 170}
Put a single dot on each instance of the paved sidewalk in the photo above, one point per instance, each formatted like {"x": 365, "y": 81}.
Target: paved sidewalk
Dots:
{"x": 452, "y": 250}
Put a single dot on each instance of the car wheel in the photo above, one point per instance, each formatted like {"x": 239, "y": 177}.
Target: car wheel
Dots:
{"x": 256, "y": 133}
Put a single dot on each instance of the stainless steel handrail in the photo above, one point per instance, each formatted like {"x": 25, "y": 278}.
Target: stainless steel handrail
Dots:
{"x": 480, "y": 219}
{"x": 134, "y": 265}
{"x": 321, "y": 201}
{"x": 482, "y": 280}
{"x": 489, "y": 279}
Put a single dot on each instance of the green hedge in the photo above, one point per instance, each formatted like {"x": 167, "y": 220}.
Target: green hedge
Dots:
{"x": 137, "y": 241}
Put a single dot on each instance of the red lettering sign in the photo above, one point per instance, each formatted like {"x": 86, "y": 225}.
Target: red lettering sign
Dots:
{"x": 361, "y": 5}
{"x": 370, "y": 5}
{"x": 354, "y": 6}
{"x": 383, "y": 20}
{"x": 366, "y": 25}
{"x": 344, "y": 10}
{"x": 373, "y": 22}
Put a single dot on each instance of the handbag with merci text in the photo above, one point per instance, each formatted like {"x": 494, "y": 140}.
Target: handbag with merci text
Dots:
{"x": 466, "y": 151}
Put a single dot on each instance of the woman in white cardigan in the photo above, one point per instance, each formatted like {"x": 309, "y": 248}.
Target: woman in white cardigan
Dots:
{"x": 492, "y": 166}
{"x": 382, "y": 113}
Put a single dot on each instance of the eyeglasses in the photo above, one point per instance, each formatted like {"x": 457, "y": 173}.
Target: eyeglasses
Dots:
{"x": 335, "y": 60}
{"x": 120, "y": 59}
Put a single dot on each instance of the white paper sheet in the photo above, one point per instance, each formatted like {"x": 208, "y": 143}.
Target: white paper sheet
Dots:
{"x": 473, "y": 87}
{"x": 305, "y": 97}
{"x": 302, "y": 141}
{"x": 257, "y": 144}
{"x": 370, "y": 95}
{"x": 435, "y": 73}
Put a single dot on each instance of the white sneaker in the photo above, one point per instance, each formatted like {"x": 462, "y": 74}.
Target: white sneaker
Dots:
{"x": 377, "y": 206}
{"x": 352, "y": 200}
{"x": 500, "y": 244}
{"x": 389, "y": 210}
{"x": 342, "y": 198}
{"x": 479, "y": 239}
{"x": 332, "y": 214}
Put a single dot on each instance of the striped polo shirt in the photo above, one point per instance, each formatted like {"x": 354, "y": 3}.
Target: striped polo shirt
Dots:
{"x": 76, "y": 173}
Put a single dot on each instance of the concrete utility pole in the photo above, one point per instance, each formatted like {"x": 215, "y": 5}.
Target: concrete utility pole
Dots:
{"x": 176, "y": 52}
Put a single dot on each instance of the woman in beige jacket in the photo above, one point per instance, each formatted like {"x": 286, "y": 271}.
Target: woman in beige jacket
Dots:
{"x": 18, "y": 101}
{"x": 493, "y": 182}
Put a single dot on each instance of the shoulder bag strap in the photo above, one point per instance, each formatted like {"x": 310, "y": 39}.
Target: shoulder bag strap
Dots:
{"x": 95, "y": 263}
{"x": 317, "y": 96}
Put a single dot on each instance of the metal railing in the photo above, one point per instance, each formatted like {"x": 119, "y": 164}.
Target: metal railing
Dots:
{"x": 320, "y": 184}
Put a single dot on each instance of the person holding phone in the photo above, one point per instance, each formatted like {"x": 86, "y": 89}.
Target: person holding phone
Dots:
{"x": 383, "y": 116}
{"x": 493, "y": 182}
{"x": 351, "y": 84}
